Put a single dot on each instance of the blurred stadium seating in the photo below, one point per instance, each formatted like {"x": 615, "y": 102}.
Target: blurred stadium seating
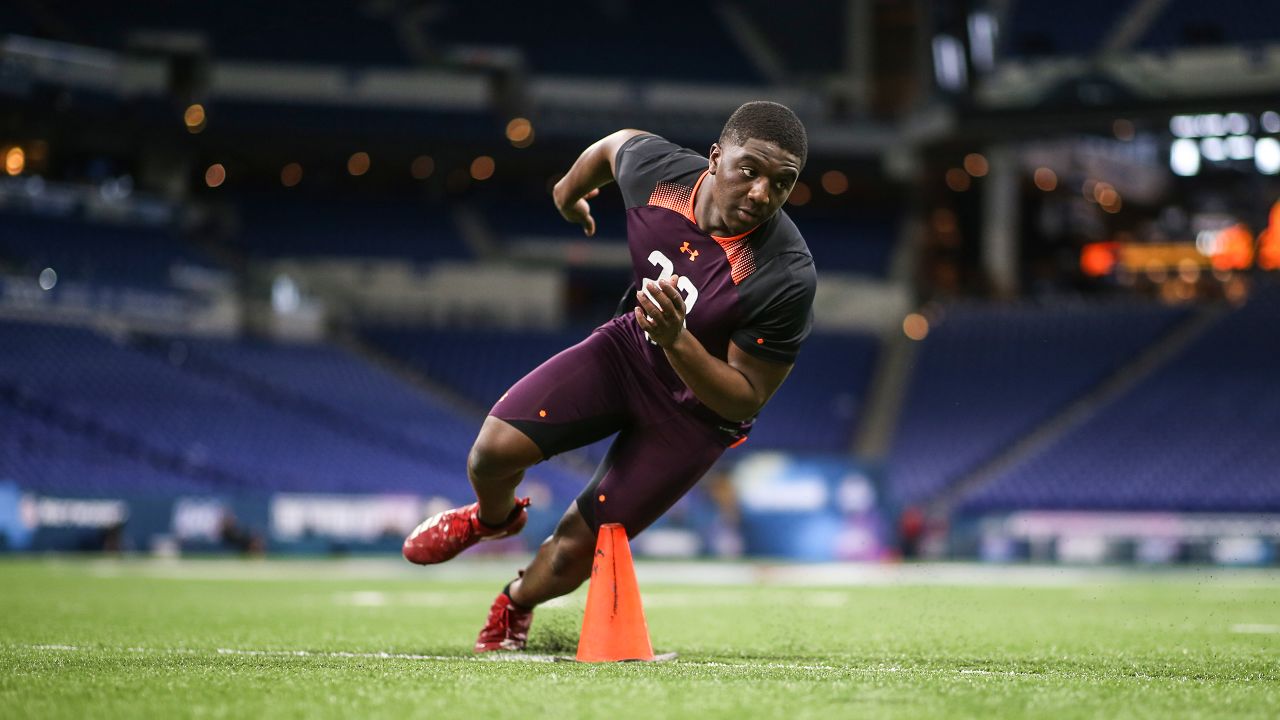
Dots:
{"x": 336, "y": 226}
{"x": 987, "y": 375}
{"x": 253, "y": 417}
{"x": 120, "y": 255}
{"x": 1202, "y": 434}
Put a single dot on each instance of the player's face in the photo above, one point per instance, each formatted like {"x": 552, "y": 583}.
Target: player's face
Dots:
{"x": 752, "y": 181}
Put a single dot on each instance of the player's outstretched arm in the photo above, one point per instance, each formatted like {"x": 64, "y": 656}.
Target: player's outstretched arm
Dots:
{"x": 735, "y": 390}
{"x": 593, "y": 168}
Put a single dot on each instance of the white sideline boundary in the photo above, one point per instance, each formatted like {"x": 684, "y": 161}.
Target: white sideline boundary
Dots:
{"x": 512, "y": 657}
{"x": 662, "y": 659}
{"x": 503, "y": 657}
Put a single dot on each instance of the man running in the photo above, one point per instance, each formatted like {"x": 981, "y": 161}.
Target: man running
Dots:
{"x": 723, "y": 288}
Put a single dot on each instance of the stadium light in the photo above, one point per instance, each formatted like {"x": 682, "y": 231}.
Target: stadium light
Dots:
{"x": 1221, "y": 124}
{"x": 291, "y": 174}
{"x": 976, "y": 165}
{"x": 1240, "y": 147}
{"x": 422, "y": 167}
{"x": 982, "y": 40}
{"x": 1046, "y": 179}
{"x": 520, "y": 132}
{"x": 15, "y": 160}
{"x": 1105, "y": 193}
{"x": 194, "y": 118}
{"x": 835, "y": 182}
{"x": 915, "y": 326}
{"x": 482, "y": 168}
{"x": 215, "y": 175}
{"x": 1182, "y": 126}
{"x": 358, "y": 164}
{"x": 948, "y": 63}
{"x": 1184, "y": 157}
{"x": 1237, "y": 123}
{"x": 1213, "y": 149}
{"x": 1266, "y": 156}
{"x": 285, "y": 297}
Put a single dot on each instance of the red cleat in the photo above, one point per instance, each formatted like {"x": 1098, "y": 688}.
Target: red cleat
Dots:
{"x": 507, "y": 627}
{"x": 443, "y": 535}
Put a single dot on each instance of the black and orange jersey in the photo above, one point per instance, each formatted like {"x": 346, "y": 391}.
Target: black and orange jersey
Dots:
{"x": 755, "y": 290}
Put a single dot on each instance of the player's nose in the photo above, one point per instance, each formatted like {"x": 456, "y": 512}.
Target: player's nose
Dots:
{"x": 759, "y": 192}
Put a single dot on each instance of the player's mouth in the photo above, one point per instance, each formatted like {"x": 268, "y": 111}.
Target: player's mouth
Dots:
{"x": 746, "y": 214}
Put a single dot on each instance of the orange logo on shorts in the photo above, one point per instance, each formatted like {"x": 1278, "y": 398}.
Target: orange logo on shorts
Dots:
{"x": 693, "y": 254}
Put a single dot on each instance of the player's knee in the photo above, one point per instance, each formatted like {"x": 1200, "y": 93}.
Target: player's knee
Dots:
{"x": 489, "y": 460}
{"x": 499, "y": 452}
{"x": 480, "y": 461}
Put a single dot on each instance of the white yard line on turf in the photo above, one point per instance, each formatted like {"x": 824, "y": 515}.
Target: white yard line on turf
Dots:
{"x": 520, "y": 658}
{"x": 1255, "y": 629}
{"x": 488, "y": 657}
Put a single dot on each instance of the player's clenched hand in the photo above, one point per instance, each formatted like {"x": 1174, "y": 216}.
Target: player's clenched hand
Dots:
{"x": 579, "y": 213}
{"x": 661, "y": 310}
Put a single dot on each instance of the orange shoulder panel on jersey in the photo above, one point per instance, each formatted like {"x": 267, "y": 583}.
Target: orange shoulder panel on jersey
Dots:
{"x": 676, "y": 198}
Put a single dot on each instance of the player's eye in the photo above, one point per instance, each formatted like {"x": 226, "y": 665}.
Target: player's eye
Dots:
{"x": 749, "y": 172}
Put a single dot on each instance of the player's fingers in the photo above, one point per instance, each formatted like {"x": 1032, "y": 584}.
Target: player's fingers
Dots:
{"x": 643, "y": 321}
{"x": 658, "y": 294}
{"x": 592, "y": 194}
{"x": 672, "y": 291}
{"x": 647, "y": 303}
{"x": 589, "y": 226}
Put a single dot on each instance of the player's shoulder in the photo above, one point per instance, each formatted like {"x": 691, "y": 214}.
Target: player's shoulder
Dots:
{"x": 648, "y": 148}
{"x": 784, "y": 274}
{"x": 780, "y": 240}
{"x": 645, "y": 161}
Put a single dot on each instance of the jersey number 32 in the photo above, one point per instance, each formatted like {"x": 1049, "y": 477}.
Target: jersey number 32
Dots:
{"x": 684, "y": 284}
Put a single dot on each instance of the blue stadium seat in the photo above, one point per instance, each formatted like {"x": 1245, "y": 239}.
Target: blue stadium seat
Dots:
{"x": 309, "y": 226}
{"x": 817, "y": 409}
{"x": 249, "y": 416}
{"x": 988, "y": 374}
{"x": 110, "y": 255}
{"x": 1200, "y": 434}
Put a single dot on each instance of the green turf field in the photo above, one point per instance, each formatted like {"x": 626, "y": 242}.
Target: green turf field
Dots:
{"x": 354, "y": 639}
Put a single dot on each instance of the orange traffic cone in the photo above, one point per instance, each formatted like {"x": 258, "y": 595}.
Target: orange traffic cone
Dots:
{"x": 613, "y": 628}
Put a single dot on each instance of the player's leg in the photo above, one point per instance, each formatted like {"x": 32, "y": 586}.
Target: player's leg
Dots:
{"x": 495, "y": 467}
{"x": 562, "y": 563}
{"x": 646, "y": 471}
{"x": 571, "y": 400}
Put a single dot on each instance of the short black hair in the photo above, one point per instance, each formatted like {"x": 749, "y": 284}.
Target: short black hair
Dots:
{"x": 768, "y": 121}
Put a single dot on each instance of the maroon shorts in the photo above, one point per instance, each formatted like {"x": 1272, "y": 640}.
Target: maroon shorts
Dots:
{"x": 602, "y": 386}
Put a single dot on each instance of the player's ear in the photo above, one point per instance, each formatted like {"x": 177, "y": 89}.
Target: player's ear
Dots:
{"x": 713, "y": 160}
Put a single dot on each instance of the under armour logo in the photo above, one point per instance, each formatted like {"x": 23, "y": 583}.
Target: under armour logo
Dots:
{"x": 693, "y": 254}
